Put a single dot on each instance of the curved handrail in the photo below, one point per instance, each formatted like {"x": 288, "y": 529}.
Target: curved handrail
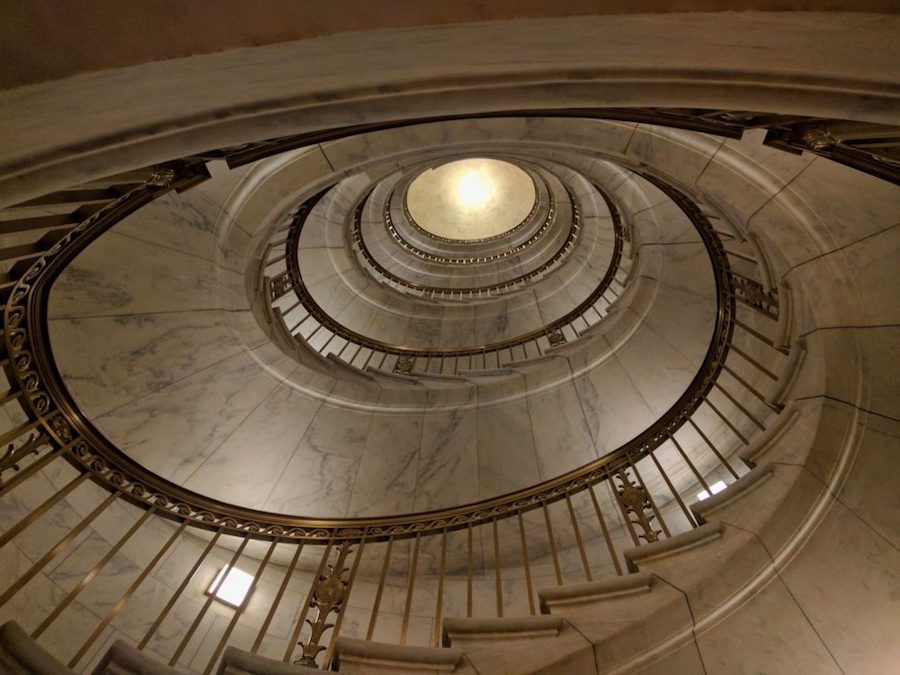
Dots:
{"x": 52, "y": 408}
{"x": 552, "y": 331}
{"x": 462, "y": 291}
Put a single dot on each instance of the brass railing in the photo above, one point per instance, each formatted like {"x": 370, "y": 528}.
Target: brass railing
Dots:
{"x": 541, "y": 521}
{"x": 463, "y": 293}
{"x": 305, "y": 319}
{"x": 409, "y": 247}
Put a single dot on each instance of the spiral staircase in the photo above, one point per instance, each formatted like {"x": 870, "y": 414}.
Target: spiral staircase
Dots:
{"x": 493, "y": 367}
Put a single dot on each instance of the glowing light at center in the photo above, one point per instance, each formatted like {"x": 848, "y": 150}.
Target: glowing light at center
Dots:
{"x": 474, "y": 189}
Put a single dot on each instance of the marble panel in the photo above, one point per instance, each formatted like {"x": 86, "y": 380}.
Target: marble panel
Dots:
{"x": 120, "y": 275}
{"x": 320, "y": 263}
{"x": 274, "y": 186}
{"x": 672, "y": 151}
{"x": 531, "y": 652}
{"x": 491, "y": 323}
{"x": 37, "y": 598}
{"x": 386, "y": 479}
{"x": 179, "y": 222}
{"x": 745, "y": 174}
{"x": 847, "y": 570}
{"x": 274, "y": 429}
{"x": 872, "y": 261}
{"x": 448, "y": 460}
{"x": 709, "y": 572}
{"x": 561, "y": 434}
{"x": 614, "y": 409}
{"x": 111, "y": 360}
{"x": 174, "y": 429}
{"x": 871, "y": 489}
{"x": 664, "y": 223}
{"x": 786, "y": 226}
{"x": 833, "y": 365}
{"x": 685, "y": 320}
{"x": 506, "y": 452}
{"x": 337, "y": 430}
{"x": 850, "y": 204}
{"x": 69, "y": 631}
{"x": 661, "y": 380}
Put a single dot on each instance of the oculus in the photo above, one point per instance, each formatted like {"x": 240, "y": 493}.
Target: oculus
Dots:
{"x": 470, "y": 199}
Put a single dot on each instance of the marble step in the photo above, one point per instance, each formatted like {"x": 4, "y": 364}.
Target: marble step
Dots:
{"x": 124, "y": 659}
{"x": 624, "y": 616}
{"x": 521, "y": 645}
{"x": 365, "y": 657}
{"x": 707, "y": 564}
{"x": 238, "y": 662}
{"x": 21, "y": 655}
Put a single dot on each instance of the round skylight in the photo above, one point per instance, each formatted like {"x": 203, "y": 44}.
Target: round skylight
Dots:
{"x": 471, "y": 199}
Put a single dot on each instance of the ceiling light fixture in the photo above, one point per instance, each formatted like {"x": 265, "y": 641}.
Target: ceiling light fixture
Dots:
{"x": 233, "y": 588}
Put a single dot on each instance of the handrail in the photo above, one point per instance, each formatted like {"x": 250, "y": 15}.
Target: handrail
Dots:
{"x": 552, "y": 332}
{"x": 50, "y": 404}
{"x": 57, "y": 428}
{"x": 461, "y": 292}
{"x": 469, "y": 260}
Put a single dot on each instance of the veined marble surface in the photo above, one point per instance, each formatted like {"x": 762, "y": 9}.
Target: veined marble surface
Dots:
{"x": 176, "y": 387}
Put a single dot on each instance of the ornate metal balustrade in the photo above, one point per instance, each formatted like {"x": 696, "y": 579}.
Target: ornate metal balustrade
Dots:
{"x": 54, "y": 428}
{"x": 363, "y": 351}
{"x": 467, "y": 260}
{"x": 461, "y": 293}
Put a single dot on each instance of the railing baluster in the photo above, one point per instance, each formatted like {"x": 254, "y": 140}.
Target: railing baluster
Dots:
{"x": 659, "y": 518}
{"x": 59, "y": 548}
{"x": 126, "y": 596}
{"x": 498, "y": 581}
{"x": 690, "y": 463}
{"x": 552, "y": 540}
{"x": 295, "y": 634}
{"x": 336, "y": 629}
{"x": 469, "y": 571}
{"x": 277, "y": 601}
{"x": 609, "y": 544}
{"x": 665, "y": 477}
{"x": 89, "y": 577}
{"x": 439, "y": 602}
{"x": 759, "y": 336}
{"x": 712, "y": 447}
{"x": 209, "y": 600}
{"x": 375, "y": 605}
{"x": 578, "y": 540}
{"x": 42, "y": 509}
{"x": 178, "y": 591}
{"x": 750, "y": 388}
{"x": 240, "y": 610}
{"x": 404, "y": 626}
{"x": 740, "y": 407}
{"x": 526, "y": 563}
{"x": 31, "y": 469}
{"x": 726, "y": 421}
{"x": 768, "y": 373}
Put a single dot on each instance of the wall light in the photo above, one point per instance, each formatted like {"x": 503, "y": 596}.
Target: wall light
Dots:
{"x": 233, "y": 589}
{"x": 716, "y": 487}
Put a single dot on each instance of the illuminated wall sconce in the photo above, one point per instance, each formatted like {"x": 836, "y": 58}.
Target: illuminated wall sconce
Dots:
{"x": 230, "y": 588}
{"x": 715, "y": 488}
